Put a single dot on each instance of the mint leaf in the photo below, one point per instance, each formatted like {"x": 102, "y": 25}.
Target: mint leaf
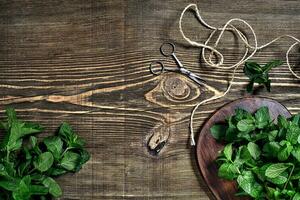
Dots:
{"x": 218, "y": 131}
{"x": 55, "y": 145}
{"x": 228, "y": 171}
{"x": 275, "y": 170}
{"x": 44, "y": 161}
{"x": 53, "y": 187}
{"x": 67, "y": 134}
{"x": 247, "y": 182}
{"x": 293, "y": 133}
{"x": 271, "y": 65}
{"x": 245, "y": 125}
{"x": 297, "y": 196}
{"x": 22, "y": 191}
{"x": 271, "y": 149}
{"x": 258, "y": 74}
{"x": 38, "y": 190}
{"x": 228, "y": 151}
{"x": 253, "y": 150}
{"x": 296, "y": 153}
{"x": 285, "y": 152}
{"x": 262, "y": 117}
{"x": 70, "y": 160}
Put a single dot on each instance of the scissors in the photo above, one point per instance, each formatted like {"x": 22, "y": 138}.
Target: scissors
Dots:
{"x": 157, "y": 67}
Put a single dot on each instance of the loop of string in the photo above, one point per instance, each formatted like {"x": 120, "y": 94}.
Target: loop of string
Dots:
{"x": 213, "y": 51}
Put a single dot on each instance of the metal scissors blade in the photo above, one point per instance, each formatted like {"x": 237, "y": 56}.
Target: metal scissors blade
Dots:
{"x": 197, "y": 79}
{"x": 192, "y": 76}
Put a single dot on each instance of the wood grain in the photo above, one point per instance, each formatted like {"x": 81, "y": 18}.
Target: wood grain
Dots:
{"x": 87, "y": 62}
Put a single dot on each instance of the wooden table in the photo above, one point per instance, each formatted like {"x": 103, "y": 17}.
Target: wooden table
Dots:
{"x": 86, "y": 62}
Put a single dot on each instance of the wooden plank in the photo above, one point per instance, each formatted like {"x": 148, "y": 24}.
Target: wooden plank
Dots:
{"x": 87, "y": 62}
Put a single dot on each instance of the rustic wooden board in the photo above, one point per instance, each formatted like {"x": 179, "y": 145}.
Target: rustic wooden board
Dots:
{"x": 86, "y": 62}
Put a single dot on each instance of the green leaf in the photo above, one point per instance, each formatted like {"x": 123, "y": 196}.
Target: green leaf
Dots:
{"x": 24, "y": 167}
{"x": 228, "y": 171}
{"x": 231, "y": 131}
{"x": 247, "y": 182}
{"x": 10, "y": 168}
{"x": 244, "y": 153}
{"x": 22, "y": 191}
{"x": 244, "y": 136}
{"x": 242, "y": 114}
{"x": 279, "y": 180}
{"x": 271, "y": 149}
{"x": 296, "y": 153}
{"x": 56, "y": 171}
{"x": 272, "y": 64}
{"x": 272, "y": 135}
{"x": 44, "y": 161}
{"x": 262, "y": 117}
{"x": 68, "y": 135}
{"x": 296, "y": 119}
{"x": 293, "y": 133}
{"x": 285, "y": 152}
{"x": 252, "y": 69}
{"x": 295, "y": 176}
{"x": 70, "y": 160}
{"x": 54, "y": 188}
{"x": 253, "y": 150}
{"x": 260, "y": 171}
{"x": 38, "y": 190}
{"x": 275, "y": 170}
{"x": 33, "y": 141}
{"x": 228, "y": 151}
{"x": 84, "y": 157}
{"x": 297, "y": 196}
{"x": 16, "y": 130}
{"x": 270, "y": 192}
{"x": 282, "y": 122}
{"x": 218, "y": 131}
{"x": 3, "y": 171}
{"x": 245, "y": 125}
{"x": 8, "y": 184}
{"x": 54, "y": 145}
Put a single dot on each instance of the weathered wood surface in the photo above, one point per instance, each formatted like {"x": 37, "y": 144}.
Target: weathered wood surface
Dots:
{"x": 86, "y": 62}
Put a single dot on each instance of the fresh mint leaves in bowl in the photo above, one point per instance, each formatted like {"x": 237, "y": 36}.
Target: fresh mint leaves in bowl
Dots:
{"x": 249, "y": 149}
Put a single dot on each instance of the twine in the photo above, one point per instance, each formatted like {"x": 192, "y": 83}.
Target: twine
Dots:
{"x": 213, "y": 51}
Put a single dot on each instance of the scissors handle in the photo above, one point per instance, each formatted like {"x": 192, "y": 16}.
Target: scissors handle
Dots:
{"x": 164, "y": 51}
{"x": 157, "y": 67}
{"x": 170, "y": 52}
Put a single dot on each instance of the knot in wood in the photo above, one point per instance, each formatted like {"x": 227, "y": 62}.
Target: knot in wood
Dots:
{"x": 176, "y": 88}
{"x": 158, "y": 139}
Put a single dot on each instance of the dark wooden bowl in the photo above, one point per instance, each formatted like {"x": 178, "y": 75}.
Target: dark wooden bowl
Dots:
{"x": 208, "y": 147}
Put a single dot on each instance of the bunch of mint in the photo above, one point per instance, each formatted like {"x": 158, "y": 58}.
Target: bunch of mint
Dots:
{"x": 261, "y": 155}
{"x": 27, "y": 167}
{"x": 259, "y": 74}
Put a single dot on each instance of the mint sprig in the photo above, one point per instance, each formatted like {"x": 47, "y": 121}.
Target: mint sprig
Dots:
{"x": 259, "y": 74}
{"x": 28, "y": 166}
